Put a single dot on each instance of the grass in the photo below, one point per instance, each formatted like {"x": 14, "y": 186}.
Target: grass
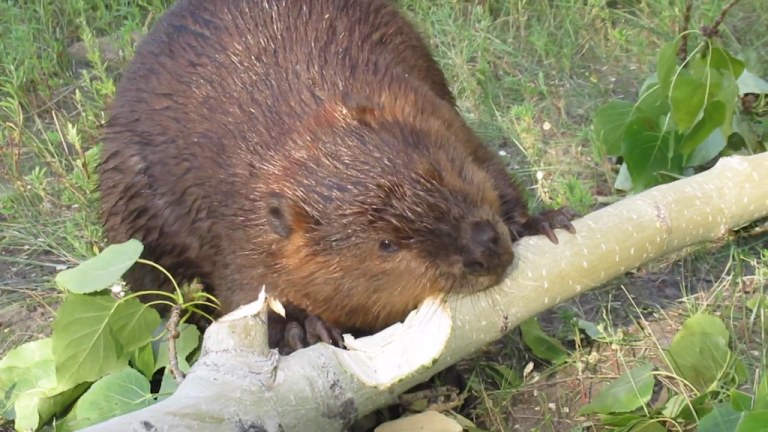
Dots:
{"x": 528, "y": 75}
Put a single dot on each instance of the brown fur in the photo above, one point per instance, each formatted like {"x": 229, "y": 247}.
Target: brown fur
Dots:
{"x": 279, "y": 142}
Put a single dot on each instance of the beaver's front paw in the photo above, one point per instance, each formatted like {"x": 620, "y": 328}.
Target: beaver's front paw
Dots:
{"x": 314, "y": 330}
{"x": 549, "y": 220}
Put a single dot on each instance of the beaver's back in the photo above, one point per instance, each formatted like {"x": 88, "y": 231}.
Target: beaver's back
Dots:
{"x": 209, "y": 99}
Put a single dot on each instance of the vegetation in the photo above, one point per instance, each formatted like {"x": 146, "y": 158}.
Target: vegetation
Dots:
{"x": 556, "y": 87}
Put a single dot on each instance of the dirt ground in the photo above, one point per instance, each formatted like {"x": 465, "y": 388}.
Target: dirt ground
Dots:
{"x": 549, "y": 402}
{"x": 25, "y": 314}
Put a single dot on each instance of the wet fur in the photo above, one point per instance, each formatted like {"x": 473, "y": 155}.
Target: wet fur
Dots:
{"x": 276, "y": 143}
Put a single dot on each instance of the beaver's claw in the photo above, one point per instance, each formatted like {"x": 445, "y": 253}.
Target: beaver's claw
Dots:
{"x": 549, "y": 220}
{"x": 313, "y": 331}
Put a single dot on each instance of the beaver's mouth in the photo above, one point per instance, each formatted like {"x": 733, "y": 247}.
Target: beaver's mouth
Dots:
{"x": 493, "y": 281}
{"x": 475, "y": 284}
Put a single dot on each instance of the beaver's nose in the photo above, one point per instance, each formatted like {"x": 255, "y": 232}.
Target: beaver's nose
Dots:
{"x": 484, "y": 253}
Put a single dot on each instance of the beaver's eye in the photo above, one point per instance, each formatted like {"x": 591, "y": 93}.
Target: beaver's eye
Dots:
{"x": 388, "y": 246}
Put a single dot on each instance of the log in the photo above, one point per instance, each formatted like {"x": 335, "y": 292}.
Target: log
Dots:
{"x": 239, "y": 384}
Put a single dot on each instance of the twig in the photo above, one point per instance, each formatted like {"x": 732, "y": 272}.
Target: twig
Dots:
{"x": 682, "y": 54}
{"x": 409, "y": 398}
{"x": 173, "y": 328}
{"x": 712, "y": 31}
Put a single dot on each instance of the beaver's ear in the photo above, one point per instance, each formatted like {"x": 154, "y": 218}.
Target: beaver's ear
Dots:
{"x": 284, "y": 217}
{"x": 360, "y": 108}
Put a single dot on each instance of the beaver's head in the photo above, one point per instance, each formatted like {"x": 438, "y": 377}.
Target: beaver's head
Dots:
{"x": 374, "y": 212}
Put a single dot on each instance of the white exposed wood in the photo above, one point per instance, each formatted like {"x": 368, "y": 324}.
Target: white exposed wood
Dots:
{"x": 428, "y": 421}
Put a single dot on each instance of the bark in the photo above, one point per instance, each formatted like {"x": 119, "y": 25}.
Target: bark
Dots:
{"x": 239, "y": 385}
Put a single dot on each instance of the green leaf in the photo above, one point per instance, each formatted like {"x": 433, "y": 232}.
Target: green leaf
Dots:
{"x": 648, "y": 426}
{"x": 707, "y": 150}
{"x": 101, "y": 271}
{"x": 653, "y": 101}
{"x": 590, "y": 329}
{"x": 674, "y": 406}
{"x": 738, "y": 374}
{"x": 610, "y": 123}
{"x": 132, "y": 323}
{"x": 699, "y": 351}
{"x": 52, "y": 406}
{"x": 697, "y": 408}
{"x": 505, "y": 376}
{"x": 703, "y": 322}
{"x": 740, "y": 401}
{"x": 758, "y": 301}
{"x": 83, "y": 344}
{"x": 729, "y": 95}
{"x": 647, "y": 153}
{"x": 751, "y": 83}
{"x": 143, "y": 359}
{"x": 30, "y": 369}
{"x": 189, "y": 338}
{"x": 722, "y": 60}
{"x": 94, "y": 335}
{"x": 629, "y": 392}
{"x": 755, "y": 421}
{"x": 114, "y": 395}
{"x": 542, "y": 345}
{"x": 27, "y": 417}
{"x": 761, "y": 394}
{"x": 687, "y": 100}
{"x": 666, "y": 64}
{"x": 619, "y": 421}
{"x": 713, "y": 118}
{"x": 746, "y": 134}
{"x": 35, "y": 408}
{"x": 24, "y": 368}
{"x": 723, "y": 418}
{"x": 28, "y": 383}
{"x": 167, "y": 386}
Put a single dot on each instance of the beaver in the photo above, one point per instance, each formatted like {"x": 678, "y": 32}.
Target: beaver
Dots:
{"x": 313, "y": 148}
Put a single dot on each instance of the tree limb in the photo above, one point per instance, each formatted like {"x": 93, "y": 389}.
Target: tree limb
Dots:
{"x": 238, "y": 384}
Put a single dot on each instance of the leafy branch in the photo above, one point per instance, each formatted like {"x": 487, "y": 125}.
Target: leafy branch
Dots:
{"x": 707, "y": 31}
{"x": 687, "y": 114}
{"x": 104, "y": 349}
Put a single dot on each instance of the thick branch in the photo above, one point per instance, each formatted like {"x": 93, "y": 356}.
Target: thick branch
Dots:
{"x": 238, "y": 385}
